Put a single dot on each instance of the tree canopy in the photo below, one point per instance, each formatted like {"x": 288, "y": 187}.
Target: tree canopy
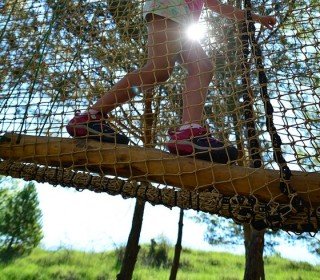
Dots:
{"x": 20, "y": 219}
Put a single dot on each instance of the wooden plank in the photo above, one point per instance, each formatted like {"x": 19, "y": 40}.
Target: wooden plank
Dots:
{"x": 157, "y": 166}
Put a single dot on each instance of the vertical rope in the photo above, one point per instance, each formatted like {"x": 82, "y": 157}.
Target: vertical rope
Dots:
{"x": 254, "y": 146}
{"x": 248, "y": 101}
{"x": 285, "y": 172}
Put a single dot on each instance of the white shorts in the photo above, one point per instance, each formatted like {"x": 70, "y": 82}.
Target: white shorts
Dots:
{"x": 176, "y": 10}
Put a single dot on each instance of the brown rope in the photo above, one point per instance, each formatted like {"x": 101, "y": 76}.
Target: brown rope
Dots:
{"x": 297, "y": 204}
{"x": 241, "y": 209}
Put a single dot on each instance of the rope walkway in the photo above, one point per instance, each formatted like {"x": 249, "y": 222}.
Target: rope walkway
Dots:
{"x": 39, "y": 159}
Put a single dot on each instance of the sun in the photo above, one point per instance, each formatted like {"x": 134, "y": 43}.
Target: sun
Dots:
{"x": 196, "y": 31}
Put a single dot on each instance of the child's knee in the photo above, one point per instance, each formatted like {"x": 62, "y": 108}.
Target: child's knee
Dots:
{"x": 158, "y": 72}
{"x": 163, "y": 75}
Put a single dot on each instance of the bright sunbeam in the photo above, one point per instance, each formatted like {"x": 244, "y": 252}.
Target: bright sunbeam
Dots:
{"x": 196, "y": 31}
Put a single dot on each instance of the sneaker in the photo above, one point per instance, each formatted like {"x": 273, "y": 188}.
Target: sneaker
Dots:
{"x": 94, "y": 126}
{"x": 197, "y": 141}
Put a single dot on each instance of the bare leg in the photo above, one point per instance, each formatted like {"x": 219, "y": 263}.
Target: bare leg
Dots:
{"x": 164, "y": 43}
{"x": 200, "y": 72}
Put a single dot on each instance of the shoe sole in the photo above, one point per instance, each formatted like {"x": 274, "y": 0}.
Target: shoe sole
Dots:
{"x": 109, "y": 138}
{"x": 187, "y": 148}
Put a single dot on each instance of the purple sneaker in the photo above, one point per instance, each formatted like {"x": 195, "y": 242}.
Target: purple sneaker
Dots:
{"x": 94, "y": 126}
{"x": 199, "y": 142}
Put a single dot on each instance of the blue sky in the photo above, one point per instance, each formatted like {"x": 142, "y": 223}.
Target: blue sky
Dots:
{"x": 98, "y": 222}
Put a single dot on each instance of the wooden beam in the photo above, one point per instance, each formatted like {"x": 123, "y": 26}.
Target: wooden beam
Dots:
{"x": 156, "y": 166}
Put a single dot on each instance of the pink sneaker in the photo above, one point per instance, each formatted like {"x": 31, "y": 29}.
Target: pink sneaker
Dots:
{"x": 199, "y": 142}
{"x": 94, "y": 126}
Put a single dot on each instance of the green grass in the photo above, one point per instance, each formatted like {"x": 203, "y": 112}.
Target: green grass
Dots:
{"x": 195, "y": 265}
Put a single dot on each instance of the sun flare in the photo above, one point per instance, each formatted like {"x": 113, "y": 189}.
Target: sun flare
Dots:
{"x": 196, "y": 31}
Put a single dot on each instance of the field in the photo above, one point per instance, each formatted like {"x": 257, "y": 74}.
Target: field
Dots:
{"x": 195, "y": 265}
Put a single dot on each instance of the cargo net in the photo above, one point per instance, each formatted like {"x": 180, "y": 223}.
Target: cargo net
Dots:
{"x": 57, "y": 57}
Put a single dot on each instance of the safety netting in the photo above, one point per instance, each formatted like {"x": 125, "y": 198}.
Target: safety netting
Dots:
{"x": 57, "y": 57}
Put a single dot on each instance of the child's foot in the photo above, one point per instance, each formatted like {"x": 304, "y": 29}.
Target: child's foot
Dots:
{"x": 197, "y": 141}
{"x": 92, "y": 125}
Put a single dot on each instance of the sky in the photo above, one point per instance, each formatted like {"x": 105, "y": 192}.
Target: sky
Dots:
{"x": 98, "y": 222}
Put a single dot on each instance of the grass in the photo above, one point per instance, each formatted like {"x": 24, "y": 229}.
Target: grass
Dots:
{"x": 194, "y": 265}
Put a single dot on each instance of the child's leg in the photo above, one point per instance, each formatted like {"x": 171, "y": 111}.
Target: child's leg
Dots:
{"x": 164, "y": 43}
{"x": 200, "y": 72}
{"x": 194, "y": 139}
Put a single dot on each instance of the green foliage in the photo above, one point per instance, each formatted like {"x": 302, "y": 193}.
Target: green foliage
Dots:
{"x": 225, "y": 231}
{"x": 157, "y": 255}
{"x": 119, "y": 253}
{"x": 20, "y": 227}
{"x": 215, "y": 234}
{"x": 195, "y": 265}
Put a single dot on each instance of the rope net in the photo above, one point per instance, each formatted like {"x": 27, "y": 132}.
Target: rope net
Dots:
{"x": 263, "y": 99}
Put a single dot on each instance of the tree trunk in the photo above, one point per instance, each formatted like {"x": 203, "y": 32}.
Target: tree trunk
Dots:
{"x": 132, "y": 248}
{"x": 254, "y": 244}
{"x": 177, "y": 249}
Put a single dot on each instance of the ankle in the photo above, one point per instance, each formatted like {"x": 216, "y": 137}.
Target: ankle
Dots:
{"x": 190, "y": 125}
{"x": 93, "y": 111}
